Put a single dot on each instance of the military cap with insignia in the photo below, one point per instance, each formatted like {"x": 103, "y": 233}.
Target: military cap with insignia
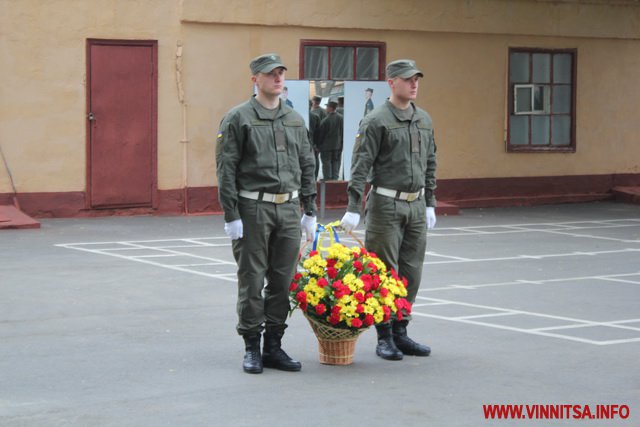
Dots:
{"x": 266, "y": 63}
{"x": 403, "y": 68}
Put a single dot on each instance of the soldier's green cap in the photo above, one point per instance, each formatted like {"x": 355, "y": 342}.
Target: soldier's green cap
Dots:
{"x": 266, "y": 63}
{"x": 403, "y": 68}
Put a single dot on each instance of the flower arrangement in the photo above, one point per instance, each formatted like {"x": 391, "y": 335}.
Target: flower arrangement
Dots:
{"x": 348, "y": 288}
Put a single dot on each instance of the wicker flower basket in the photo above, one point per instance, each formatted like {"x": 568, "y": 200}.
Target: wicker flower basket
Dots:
{"x": 335, "y": 346}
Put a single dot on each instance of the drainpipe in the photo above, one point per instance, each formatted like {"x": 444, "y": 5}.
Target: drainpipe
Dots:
{"x": 185, "y": 140}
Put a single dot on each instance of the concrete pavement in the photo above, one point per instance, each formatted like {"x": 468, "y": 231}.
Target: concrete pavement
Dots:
{"x": 129, "y": 321}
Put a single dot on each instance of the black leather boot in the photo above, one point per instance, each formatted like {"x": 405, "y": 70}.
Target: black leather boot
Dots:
{"x": 406, "y": 344}
{"x": 252, "y": 363}
{"x": 273, "y": 356}
{"x": 386, "y": 348}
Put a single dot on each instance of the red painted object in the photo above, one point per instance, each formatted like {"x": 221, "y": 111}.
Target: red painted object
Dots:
{"x": 121, "y": 120}
{"x": 12, "y": 218}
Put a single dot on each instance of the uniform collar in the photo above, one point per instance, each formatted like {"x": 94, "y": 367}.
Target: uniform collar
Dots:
{"x": 400, "y": 116}
{"x": 266, "y": 114}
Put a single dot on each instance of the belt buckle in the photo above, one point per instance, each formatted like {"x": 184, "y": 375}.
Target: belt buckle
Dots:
{"x": 281, "y": 198}
{"x": 412, "y": 196}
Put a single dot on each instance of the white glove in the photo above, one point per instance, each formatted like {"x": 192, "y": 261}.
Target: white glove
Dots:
{"x": 233, "y": 229}
{"x": 431, "y": 217}
{"x": 309, "y": 225}
{"x": 350, "y": 221}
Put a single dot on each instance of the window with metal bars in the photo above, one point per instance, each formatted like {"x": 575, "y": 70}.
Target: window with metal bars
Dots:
{"x": 342, "y": 60}
{"x": 542, "y": 93}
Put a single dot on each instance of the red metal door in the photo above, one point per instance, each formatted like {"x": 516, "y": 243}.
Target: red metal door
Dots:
{"x": 122, "y": 115}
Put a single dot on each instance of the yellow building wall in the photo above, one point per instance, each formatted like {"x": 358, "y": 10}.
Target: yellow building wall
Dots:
{"x": 463, "y": 48}
{"x": 462, "y": 45}
{"x": 43, "y": 90}
{"x": 464, "y": 89}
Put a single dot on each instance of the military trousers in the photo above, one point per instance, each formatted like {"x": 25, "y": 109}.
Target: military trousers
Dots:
{"x": 331, "y": 164}
{"x": 266, "y": 256}
{"x": 396, "y": 231}
{"x": 316, "y": 154}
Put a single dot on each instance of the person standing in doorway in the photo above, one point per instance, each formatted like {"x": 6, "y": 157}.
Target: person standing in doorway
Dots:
{"x": 316, "y": 108}
{"x": 395, "y": 152}
{"x": 314, "y": 122}
{"x": 265, "y": 172}
{"x": 329, "y": 142}
{"x": 340, "y": 109}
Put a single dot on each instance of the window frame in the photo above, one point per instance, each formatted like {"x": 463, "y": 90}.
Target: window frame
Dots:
{"x": 511, "y": 104}
{"x": 382, "y": 54}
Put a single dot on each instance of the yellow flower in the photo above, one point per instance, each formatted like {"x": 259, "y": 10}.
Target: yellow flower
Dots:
{"x": 314, "y": 293}
{"x": 349, "y": 279}
{"x": 313, "y": 271}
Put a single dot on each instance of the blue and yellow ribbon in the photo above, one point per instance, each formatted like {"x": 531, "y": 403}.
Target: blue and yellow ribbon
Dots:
{"x": 322, "y": 231}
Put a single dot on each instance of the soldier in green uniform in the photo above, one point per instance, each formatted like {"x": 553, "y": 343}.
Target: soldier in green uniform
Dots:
{"x": 265, "y": 172}
{"x": 395, "y": 152}
{"x": 328, "y": 137}
{"x": 316, "y": 108}
{"x": 314, "y": 122}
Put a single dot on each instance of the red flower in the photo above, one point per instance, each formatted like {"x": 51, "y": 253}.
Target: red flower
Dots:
{"x": 403, "y": 304}
{"x": 405, "y": 282}
{"x": 293, "y": 286}
{"x": 368, "y": 295}
{"x": 363, "y": 251}
{"x": 384, "y": 292}
{"x": 334, "y": 319}
{"x": 387, "y": 313}
{"x": 313, "y": 253}
{"x": 366, "y": 282}
{"x": 359, "y": 296}
{"x": 358, "y": 266}
{"x": 331, "y": 262}
{"x": 297, "y": 277}
{"x": 394, "y": 274}
{"x": 356, "y": 323}
{"x": 346, "y": 290}
{"x": 336, "y": 309}
{"x": 376, "y": 282}
{"x": 360, "y": 309}
{"x": 332, "y": 272}
{"x": 301, "y": 297}
{"x": 340, "y": 289}
{"x": 322, "y": 282}
{"x": 320, "y": 309}
{"x": 368, "y": 319}
{"x": 372, "y": 267}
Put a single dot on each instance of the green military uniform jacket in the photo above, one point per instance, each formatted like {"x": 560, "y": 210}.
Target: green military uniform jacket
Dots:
{"x": 393, "y": 151}
{"x": 263, "y": 150}
{"x": 329, "y": 134}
